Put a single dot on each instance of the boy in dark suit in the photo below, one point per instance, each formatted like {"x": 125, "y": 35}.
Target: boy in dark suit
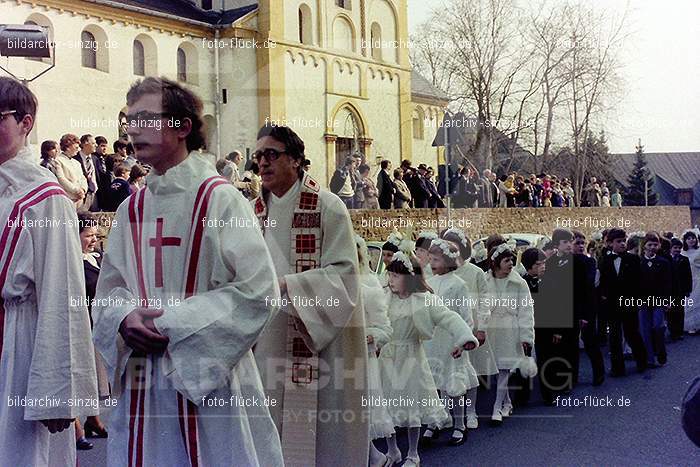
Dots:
{"x": 657, "y": 284}
{"x": 682, "y": 286}
{"x": 619, "y": 285}
{"x": 585, "y": 269}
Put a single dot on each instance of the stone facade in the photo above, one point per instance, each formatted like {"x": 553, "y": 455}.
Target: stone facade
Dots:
{"x": 478, "y": 223}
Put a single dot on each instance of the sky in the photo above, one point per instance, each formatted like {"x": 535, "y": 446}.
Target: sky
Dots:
{"x": 661, "y": 72}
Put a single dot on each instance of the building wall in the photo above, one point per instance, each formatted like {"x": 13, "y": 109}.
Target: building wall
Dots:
{"x": 423, "y": 150}
{"x": 307, "y": 82}
{"x": 478, "y": 223}
{"x": 74, "y": 99}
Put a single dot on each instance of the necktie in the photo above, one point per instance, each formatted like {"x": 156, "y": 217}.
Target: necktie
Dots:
{"x": 90, "y": 169}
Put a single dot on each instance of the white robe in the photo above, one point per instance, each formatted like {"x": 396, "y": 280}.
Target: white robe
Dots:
{"x": 692, "y": 307}
{"x": 46, "y": 349}
{"x": 453, "y": 376}
{"x": 406, "y": 377}
{"x": 375, "y": 304}
{"x": 512, "y": 318}
{"x": 482, "y": 358}
{"x": 337, "y": 332}
{"x": 211, "y": 332}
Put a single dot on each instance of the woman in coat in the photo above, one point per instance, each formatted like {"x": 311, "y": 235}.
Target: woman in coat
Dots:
{"x": 402, "y": 197}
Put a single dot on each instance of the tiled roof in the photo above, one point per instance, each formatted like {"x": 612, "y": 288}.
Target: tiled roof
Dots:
{"x": 681, "y": 170}
{"x": 421, "y": 87}
{"x": 185, "y": 9}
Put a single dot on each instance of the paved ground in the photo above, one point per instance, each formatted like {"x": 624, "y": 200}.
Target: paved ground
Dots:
{"x": 647, "y": 432}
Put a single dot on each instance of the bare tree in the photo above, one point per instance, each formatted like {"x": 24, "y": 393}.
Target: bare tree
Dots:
{"x": 594, "y": 72}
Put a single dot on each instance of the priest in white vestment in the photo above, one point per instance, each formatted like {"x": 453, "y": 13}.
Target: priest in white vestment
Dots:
{"x": 47, "y": 363}
{"x": 310, "y": 237}
{"x": 186, "y": 287}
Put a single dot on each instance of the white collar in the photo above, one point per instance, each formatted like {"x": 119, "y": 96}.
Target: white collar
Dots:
{"x": 290, "y": 194}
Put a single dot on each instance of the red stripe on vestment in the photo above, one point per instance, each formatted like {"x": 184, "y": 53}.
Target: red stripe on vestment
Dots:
{"x": 16, "y": 216}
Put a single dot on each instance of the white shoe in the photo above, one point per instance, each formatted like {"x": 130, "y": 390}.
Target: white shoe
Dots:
{"x": 507, "y": 410}
{"x": 497, "y": 417}
{"x": 411, "y": 462}
{"x": 472, "y": 422}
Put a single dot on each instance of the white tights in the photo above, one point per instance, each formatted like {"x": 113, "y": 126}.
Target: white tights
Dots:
{"x": 502, "y": 395}
{"x": 471, "y": 398}
{"x": 413, "y": 434}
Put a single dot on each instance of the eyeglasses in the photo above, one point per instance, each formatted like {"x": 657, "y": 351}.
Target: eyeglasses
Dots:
{"x": 270, "y": 154}
{"x": 6, "y": 113}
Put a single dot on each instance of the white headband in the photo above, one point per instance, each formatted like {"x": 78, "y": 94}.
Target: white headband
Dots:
{"x": 459, "y": 233}
{"x": 501, "y": 249}
{"x": 401, "y": 256}
{"x": 394, "y": 238}
{"x": 428, "y": 234}
{"x": 479, "y": 252}
{"x": 444, "y": 246}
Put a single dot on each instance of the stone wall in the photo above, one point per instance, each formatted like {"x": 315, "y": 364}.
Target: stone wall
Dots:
{"x": 377, "y": 224}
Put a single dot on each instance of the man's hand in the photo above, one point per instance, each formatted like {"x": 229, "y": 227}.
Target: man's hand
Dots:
{"x": 457, "y": 352}
{"x": 527, "y": 348}
{"x": 57, "y": 425}
{"x": 481, "y": 337}
{"x": 556, "y": 338}
{"x": 140, "y": 333}
{"x": 583, "y": 323}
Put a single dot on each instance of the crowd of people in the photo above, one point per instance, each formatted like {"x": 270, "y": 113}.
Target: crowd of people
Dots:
{"x": 93, "y": 179}
{"x": 416, "y": 187}
{"x": 269, "y": 304}
{"x": 460, "y": 317}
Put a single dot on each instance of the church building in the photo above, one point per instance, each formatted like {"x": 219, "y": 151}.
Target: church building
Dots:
{"x": 336, "y": 71}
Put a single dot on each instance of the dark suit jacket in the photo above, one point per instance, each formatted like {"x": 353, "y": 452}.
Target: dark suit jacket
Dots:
{"x": 656, "y": 277}
{"x": 682, "y": 276}
{"x": 625, "y": 284}
{"x": 91, "y": 275}
{"x": 118, "y": 191}
{"x": 97, "y": 163}
{"x": 104, "y": 179}
{"x": 385, "y": 187}
{"x": 567, "y": 292}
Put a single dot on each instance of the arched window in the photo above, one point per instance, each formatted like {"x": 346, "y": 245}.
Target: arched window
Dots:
{"x": 139, "y": 59}
{"x": 376, "y": 41}
{"x": 88, "y": 48}
{"x": 418, "y": 123}
{"x": 181, "y": 65}
{"x": 305, "y": 24}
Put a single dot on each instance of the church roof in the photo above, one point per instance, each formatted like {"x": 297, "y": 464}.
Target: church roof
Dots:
{"x": 183, "y": 9}
{"x": 421, "y": 87}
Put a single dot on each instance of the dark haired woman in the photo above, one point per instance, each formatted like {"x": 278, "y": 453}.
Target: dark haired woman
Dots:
{"x": 511, "y": 324}
{"x": 404, "y": 367}
{"x": 49, "y": 151}
{"x": 692, "y": 306}
{"x": 454, "y": 377}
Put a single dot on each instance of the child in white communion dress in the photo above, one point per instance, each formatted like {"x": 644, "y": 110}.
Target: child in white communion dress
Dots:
{"x": 512, "y": 322}
{"x": 378, "y": 328}
{"x": 408, "y": 384}
{"x": 454, "y": 377}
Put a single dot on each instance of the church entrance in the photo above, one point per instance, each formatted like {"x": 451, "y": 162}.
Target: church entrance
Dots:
{"x": 349, "y": 132}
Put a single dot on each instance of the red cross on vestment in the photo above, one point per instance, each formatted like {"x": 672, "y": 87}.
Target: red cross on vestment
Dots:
{"x": 158, "y": 243}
